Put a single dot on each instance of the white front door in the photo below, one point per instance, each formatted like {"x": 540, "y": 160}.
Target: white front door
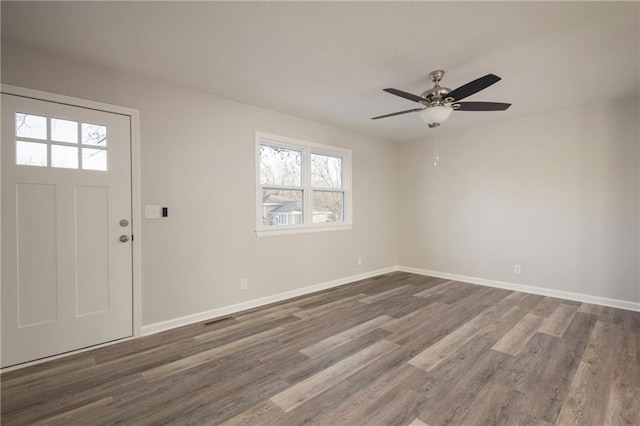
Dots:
{"x": 66, "y": 228}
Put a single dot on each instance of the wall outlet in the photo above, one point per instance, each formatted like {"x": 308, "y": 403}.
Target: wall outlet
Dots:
{"x": 359, "y": 261}
{"x": 243, "y": 284}
{"x": 517, "y": 269}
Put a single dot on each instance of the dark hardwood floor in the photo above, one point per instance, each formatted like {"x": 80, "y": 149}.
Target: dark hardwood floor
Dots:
{"x": 398, "y": 349}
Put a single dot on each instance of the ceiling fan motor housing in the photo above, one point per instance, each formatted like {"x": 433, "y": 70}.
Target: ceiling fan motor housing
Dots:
{"x": 436, "y": 93}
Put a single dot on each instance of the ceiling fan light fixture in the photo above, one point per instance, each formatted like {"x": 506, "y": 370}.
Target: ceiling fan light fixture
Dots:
{"x": 435, "y": 115}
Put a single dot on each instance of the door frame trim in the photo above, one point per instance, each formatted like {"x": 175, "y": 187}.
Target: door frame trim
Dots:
{"x": 136, "y": 217}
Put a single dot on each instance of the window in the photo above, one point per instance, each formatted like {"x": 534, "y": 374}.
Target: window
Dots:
{"x": 54, "y": 142}
{"x": 301, "y": 186}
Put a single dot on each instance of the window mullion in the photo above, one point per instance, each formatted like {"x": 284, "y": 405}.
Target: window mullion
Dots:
{"x": 318, "y": 189}
{"x": 49, "y": 149}
{"x": 346, "y": 186}
{"x": 306, "y": 183}
{"x": 283, "y": 187}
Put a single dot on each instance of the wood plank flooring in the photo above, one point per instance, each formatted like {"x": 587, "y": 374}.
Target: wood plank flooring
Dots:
{"x": 398, "y": 349}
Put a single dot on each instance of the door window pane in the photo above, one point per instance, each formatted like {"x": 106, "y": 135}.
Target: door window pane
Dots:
{"x": 64, "y": 130}
{"x": 94, "y": 159}
{"x": 31, "y": 126}
{"x": 94, "y": 134}
{"x": 31, "y": 153}
{"x": 65, "y": 157}
{"x": 280, "y": 207}
{"x": 280, "y": 166}
{"x": 328, "y": 206}
{"x": 326, "y": 171}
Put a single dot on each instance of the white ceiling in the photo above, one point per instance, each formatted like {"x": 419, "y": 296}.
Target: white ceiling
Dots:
{"x": 329, "y": 61}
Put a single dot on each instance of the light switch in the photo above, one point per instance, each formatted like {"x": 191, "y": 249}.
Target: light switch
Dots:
{"x": 152, "y": 212}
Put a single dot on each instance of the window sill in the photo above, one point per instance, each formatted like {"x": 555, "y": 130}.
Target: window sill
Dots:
{"x": 301, "y": 230}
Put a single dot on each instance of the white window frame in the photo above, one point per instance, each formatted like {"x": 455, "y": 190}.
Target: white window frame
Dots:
{"x": 307, "y": 149}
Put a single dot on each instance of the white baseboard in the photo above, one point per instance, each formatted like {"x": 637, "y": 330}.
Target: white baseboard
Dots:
{"x": 250, "y": 304}
{"x": 596, "y": 300}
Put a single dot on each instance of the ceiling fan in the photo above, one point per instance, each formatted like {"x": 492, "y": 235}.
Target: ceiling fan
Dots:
{"x": 439, "y": 102}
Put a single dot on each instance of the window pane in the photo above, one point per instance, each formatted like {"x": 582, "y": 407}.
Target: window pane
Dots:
{"x": 31, "y": 126}
{"x": 94, "y": 134}
{"x": 31, "y": 153}
{"x": 94, "y": 159}
{"x": 326, "y": 171}
{"x": 328, "y": 206}
{"x": 281, "y": 207}
{"x": 280, "y": 166}
{"x": 65, "y": 157}
{"x": 64, "y": 130}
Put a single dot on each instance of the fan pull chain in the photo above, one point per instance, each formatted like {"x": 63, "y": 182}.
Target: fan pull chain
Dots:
{"x": 435, "y": 163}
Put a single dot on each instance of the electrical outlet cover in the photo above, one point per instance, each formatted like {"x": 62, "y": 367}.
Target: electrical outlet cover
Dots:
{"x": 152, "y": 212}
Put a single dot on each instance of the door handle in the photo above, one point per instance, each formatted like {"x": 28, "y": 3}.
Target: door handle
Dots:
{"x": 124, "y": 238}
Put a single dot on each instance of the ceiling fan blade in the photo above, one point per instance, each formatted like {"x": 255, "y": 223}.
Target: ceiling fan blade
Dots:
{"x": 397, "y": 113}
{"x": 473, "y": 87}
{"x": 482, "y": 106}
{"x": 405, "y": 95}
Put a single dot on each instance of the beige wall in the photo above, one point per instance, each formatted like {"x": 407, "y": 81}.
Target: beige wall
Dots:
{"x": 197, "y": 154}
{"x": 556, "y": 193}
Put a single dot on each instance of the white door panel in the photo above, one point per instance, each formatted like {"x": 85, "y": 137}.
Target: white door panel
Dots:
{"x": 66, "y": 185}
